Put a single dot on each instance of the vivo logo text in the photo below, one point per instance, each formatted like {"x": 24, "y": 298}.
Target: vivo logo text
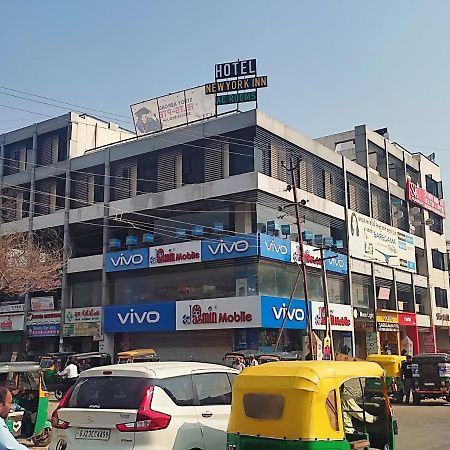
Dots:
{"x": 133, "y": 317}
{"x": 294, "y": 314}
{"x": 228, "y": 247}
{"x": 272, "y": 247}
{"x": 122, "y": 260}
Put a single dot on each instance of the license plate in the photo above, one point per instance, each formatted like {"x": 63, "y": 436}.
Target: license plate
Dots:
{"x": 92, "y": 433}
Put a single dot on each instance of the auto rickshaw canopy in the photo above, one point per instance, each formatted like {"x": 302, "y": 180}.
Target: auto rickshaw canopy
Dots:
{"x": 392, "y": 364}
{"x": 305, "y": 394}
{"x": 136, "y": 353}
{"x": 20, "y": 367}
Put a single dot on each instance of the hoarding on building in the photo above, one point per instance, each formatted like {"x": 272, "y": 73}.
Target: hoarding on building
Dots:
{"x": 219, "y": 313}
{"x": 82, "y": 329}
{"x": 341, "y": 316}
{"x": 173, "y": 110}
{"x": 229, "y": 247}
{"x": 126, "y": 260}
{"x": 419, "y": 196}
{"x": 375, "y": 241}
{"x": 274, "y": 248}
{"x": 276, "y": 310}
{"x": 42, "y": 303}
{"x": 44, "y": 318}
{"x": 407, "y": 319}
{"x": 174, "y": 254}
{"x": 83, "y": 315}
{"x": 12, "y": 322}
{"x": 138, "y": 318}
{"x": 334, "y": 262}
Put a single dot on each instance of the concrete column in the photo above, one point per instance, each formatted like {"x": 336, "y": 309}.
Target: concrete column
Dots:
{"x": 2, "y": 162}
{"x": 225, "y": 160}
{"x": 65, "y": 300}
{"x": 106, "y": 212}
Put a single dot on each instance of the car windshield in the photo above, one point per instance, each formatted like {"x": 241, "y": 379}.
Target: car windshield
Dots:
{"x": 108, "y": 392}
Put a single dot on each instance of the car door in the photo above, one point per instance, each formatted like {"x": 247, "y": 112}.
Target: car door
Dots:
{"x": 213, "y": 405}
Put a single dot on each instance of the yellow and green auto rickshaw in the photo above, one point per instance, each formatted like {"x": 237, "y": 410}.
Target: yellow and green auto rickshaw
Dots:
{"x": 51, "y": 364}
{"x": 392, "y": 365}
{"x": 138, "y": 355}
{"x": 298, "y": 405}
{"x": 28, "y": 416}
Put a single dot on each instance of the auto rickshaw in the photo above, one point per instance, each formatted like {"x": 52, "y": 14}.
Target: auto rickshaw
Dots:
{"x": 51, "y": 364}
{"x": 392, "y": 365}
{"x": 279, "y": 356}
{"x": 431, "y": 372}
{"x": 86, "y": 361}
{"x": 138, "y": 355}
{"x": 28, "y": 416}
{"x": 246, "y": 355}
{"x": 309, "y": 405}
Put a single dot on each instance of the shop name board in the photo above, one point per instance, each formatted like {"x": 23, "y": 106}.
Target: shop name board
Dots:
{"x": 40, "y": 318}
{"x": 274, "y": 248}
{"x": 387, "y": 327}
{"x": 242, "y": 312}
{"x": 387, "y": 316}
{"x": 407, "y": 319}
{"x": 363, "y": 314}
{"x": 133, "y": 318}
{"x": 236, "y": 85}
{"x": 126, "y": 260}
{"x": 238, "y": 97}
{"x": 81, "y": 329}
{"x": 442, "y": 317}
{"x": 423, "y": 198}
{"x": 81, "y": 315}
{"x": 12, "y": 322}
{"x": 235, "y": 69}
{"x": 229, "y": 247}
{"x": 42, "y": 303}
{"x": 12, "y": 307}
{"x": 173, "y": 254}
{"x": 341, "y": 317}
{"x": 276, "y": 310}
{"x": 43, "y": 330}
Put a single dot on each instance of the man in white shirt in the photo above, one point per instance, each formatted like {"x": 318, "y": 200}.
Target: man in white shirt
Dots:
{"x": 71, "y": 370}
{"x": 7, "y": 440}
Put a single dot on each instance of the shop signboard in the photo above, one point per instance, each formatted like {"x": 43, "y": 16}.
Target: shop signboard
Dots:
{"x": 126, "y": 260}
{"x": 169, "y": 111}
{"x": 388, "y": 327}
{"x": 429, "y": 342}
{"x": 274, "y": 248}
{"x": 174, "y": 254}
{"x": 219, "y": 313}
{"x": 372, "y": 343}
{"x": 442, "y": 318}
{"x": 42, "y": 303}
{"x": 407, "y": 319}
{"x": 82, "y": 315}
{"x": 387, "y": 316}
{"x": 375, "y": 241}
{"x": 43, "y": 330}
{"x": 276, "y": 310}
{"x": 81, "y": 329}
{"x": 44, "y": 318}
{"x": 419, "y": 196}
{"x": 12, "y": 322}
{"x": 341, "y": 316}
{"x": 230, "y": 247}
{"x": 334, "y": 261}
{"x": 137, "y": 318}
{"x": 12, "y": 307}
{"x": 363, "y": 314}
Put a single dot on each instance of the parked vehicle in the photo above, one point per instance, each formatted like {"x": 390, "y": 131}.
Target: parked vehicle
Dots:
{"x": 246, "y": 355}
{"x": 138, "y": 355}
{"x": 144, "y": 406}
{"x": 51, "y": 364}
{"x": 431, "y": 372}
{"x": 308, "y": 405}
{"x": 392, "y": 365}
{"x": 279, "y": 356}
{"x": 30, "y": 400}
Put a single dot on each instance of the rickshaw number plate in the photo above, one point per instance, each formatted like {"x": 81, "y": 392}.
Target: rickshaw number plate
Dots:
{"x": 93, "y": 433}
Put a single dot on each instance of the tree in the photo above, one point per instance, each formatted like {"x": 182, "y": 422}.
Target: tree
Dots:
{"x": 29, "y": 265}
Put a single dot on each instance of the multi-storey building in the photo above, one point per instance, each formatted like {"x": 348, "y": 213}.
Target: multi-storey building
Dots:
{"x": 176, "y": 241}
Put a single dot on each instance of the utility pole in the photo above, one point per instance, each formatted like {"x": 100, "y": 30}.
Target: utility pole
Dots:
{"x": 328, "y": 346}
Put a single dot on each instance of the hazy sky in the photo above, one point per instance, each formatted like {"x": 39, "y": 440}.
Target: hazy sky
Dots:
{"x": 331, "y": 64}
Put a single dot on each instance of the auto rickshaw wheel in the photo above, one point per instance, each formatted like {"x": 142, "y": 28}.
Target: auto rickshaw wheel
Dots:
{"x": 43, "y": 438}
{"x": 59, "y": 394}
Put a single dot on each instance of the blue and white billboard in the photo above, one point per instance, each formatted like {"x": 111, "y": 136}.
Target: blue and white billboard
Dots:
{"x": 229, "y": 247}
{"x": 127, "y": 260}
{"x": 275, "y": 309}
{"x": 274, "y": 248}
{"x": 335, "y": 262}
{"x": 135, "y": 318}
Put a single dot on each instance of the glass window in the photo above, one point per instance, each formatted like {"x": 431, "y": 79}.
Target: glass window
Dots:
{"x": 361, "y": 294}
{"x": 337, "y": 292}
{"x": 278, "y": 280}
{"x": 241, "y": 158}
{"x": 108, "y": 392}
{"x": 213, "y": 388}
{"x": 264, "y": 406}
{"x": 179, "y": 389}
{"x": 193, "y": 165}
{"x": 438, "y": 259}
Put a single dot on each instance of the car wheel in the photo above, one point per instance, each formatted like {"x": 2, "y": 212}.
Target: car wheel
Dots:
{"x": 42, "y": 439}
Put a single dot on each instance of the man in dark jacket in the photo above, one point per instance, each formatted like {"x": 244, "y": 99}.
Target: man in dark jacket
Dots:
{"x": 407, "y": 377}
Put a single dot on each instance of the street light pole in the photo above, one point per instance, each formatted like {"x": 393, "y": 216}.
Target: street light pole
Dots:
{"x": 328, "y": 340}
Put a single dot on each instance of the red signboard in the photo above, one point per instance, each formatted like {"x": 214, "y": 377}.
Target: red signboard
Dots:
{"x": 429, "y": 342}
{"x": 421, "y": 197}
{"x": 407, "y": 319}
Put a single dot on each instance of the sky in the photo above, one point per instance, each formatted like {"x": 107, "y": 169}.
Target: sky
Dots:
{"x": 331, "y": 65}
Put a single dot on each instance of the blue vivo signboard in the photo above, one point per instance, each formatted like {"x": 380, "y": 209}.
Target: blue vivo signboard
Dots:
{"x": 229, "y": 247}
{"x": 275, "y": 309}
{"x": 127, "y": 260}
{"x": 134, "y": 318}
{"x": 335, "y": 262}
{"x": 274, "y": 248}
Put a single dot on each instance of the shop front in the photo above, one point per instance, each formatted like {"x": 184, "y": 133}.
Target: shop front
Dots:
{"x": 11, "y": 334}
{"x": 365, "y": 334}
{"x": 43, "y": 330}
{"x": 341, "y": 318}
{"x": 277, "y": 313}
{"x": 441, "y": 322}
{"x": 409, "y": 333}
{"x": 388, "y": 332}
{"x": 427, "y": 340}
{"x": 82, "y": 329}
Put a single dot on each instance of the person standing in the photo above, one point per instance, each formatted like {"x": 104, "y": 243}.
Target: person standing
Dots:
{"x": 7, "y": 440}
{"x": 407, "y": 377}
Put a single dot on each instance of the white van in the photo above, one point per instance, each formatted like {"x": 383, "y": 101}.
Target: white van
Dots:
{"x": 146, "y": 406}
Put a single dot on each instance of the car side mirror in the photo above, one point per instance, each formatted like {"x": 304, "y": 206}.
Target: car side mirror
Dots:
{"x": 395, "y": 427}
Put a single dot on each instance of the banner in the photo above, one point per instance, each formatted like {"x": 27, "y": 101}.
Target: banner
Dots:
{"x": 421, "y": 197}
{"x": 12, "y": 322}
{"x": 341, "y": 316}
{"x": 83, "y": 315}
{"x": 375, "y": 241}
{"x": 173, "y": 110}
{"x": 42, "y": 303}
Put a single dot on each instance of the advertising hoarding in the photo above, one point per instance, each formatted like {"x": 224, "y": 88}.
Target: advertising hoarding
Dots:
{"x": 83, "y": 315}
{"x": 274, "y": 310}
{"x": 375, "y": 241}
{"x": 12, "y": 322}
{"x": 341, "y": 316}
{"x": 274, "y": 248}
{"x": 44, "y": 318}
{"x": 419, "y": 196}
{"x": 229, "y": 247}
{"x": 334, "y": 262}
{"x": 43, "y": 330}
{"x": 174, "y": 254}
{"x": 219, "y": 313}
{"x": 169, "y": 111}
{"x": 81, "y": 329}
{"x": 42, "y": 303}
{"x": 135, "y": 318}
{"x": 126, "y": 260}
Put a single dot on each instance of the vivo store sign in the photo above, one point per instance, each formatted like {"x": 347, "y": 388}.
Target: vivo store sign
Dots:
{"x": 229, "y": 247}
{"x": 127, "y": 260}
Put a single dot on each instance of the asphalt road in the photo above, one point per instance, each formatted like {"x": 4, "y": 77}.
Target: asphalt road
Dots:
{"x": 424, "y": 427}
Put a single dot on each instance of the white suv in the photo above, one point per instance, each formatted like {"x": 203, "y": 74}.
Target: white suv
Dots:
{"x": 146, "y": 406}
